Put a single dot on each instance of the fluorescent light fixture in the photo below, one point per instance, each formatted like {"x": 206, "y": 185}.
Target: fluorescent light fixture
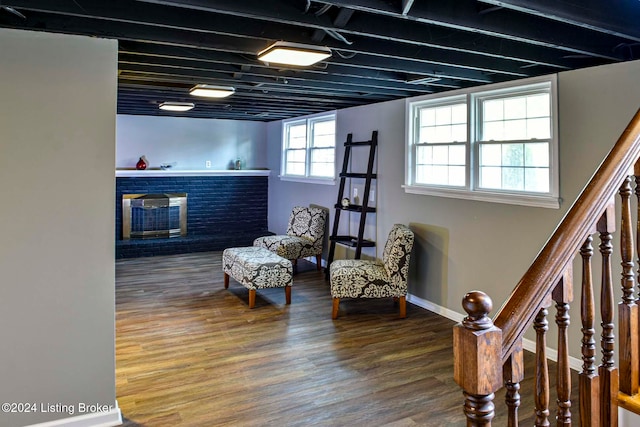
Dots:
{"x": 211, "y": 91}
{"x": 177, "y": 106}
{"x": 294, "y": 54}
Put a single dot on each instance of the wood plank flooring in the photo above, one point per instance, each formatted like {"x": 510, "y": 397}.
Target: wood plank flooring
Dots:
{"x": 190, "y": 353}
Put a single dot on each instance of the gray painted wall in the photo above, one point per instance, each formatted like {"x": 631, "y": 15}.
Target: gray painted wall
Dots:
{"x": 57, "y": 134}
{"x": 463, "y": 245}
{"x": 58, "y": 286}
{"x": 190, "y": 142}
{"x": 284, "y": 195}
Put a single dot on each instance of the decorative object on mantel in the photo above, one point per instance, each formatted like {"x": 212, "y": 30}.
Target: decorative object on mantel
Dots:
{"x": 142, "y": 163}
{"x": 238, "y": 164}
{"x": 166, "y": 166}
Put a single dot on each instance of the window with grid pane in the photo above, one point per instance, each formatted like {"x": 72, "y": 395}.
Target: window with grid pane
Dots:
{"x": 440, "y": 150}
{"x": 514, "y": 140}
{"x": 309, "y": 148}
{"x": 495, "y": 143}
{"x": 322, "y": 148}
{"x": 295, "y": 151}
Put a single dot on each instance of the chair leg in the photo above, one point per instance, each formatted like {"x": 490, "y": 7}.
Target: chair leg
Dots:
{"x": 403, "y": 307}
{"x": 319, "y": 262}
{"x": 336, "y": 304}
{"x": 287, "y": 294}
{"x": 252, "y": 298}
{"x": 226, "y": 281}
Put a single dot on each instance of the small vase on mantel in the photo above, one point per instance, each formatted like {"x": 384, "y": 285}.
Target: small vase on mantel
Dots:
{"x": 142, "y": 164}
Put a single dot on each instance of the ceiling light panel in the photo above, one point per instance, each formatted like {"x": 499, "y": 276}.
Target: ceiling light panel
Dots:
{"x": 176, "y": 106}
{"x": 294, "y": 54}
{"x": 211, "y": 91}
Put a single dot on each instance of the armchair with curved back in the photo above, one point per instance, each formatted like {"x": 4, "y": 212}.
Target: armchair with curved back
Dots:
{"x": 304, "y": 238}
{"x": 359, "y": 278}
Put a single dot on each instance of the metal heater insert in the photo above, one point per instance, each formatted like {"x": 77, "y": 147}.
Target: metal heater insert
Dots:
{"x": 151, "y": 216}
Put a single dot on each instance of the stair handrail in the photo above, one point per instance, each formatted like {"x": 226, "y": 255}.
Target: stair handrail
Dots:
{"x": 518, "y": 312}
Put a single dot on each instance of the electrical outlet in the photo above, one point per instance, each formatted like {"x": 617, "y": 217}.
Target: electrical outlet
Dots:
{"x": 207, "y": 164}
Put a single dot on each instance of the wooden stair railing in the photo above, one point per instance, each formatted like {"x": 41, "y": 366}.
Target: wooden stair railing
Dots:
{"x": 488, "y": 352}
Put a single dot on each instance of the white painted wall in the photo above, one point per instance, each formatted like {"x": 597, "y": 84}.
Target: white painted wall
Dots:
{"x": 190, "y": 142}
{"x": 57, "y": 144}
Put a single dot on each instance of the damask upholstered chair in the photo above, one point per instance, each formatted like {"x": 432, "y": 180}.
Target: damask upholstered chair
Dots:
{"x": 304, "y": 238}
{"x": 359, "y": 278}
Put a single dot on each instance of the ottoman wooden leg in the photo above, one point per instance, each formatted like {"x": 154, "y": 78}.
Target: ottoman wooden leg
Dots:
{"x": 336, "y": 304}
{"x": 252, "y": 298}
{"x": 287, "y": 294}
{"x": 403, "y": 307}
{"x": 319, "y": 262}
{"x": 226, "y": 281}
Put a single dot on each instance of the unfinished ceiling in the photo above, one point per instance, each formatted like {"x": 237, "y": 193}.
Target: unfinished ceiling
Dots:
{"x": 381, "y": 50}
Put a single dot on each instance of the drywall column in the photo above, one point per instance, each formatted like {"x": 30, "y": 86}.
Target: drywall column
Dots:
{"x": 57, "y": 154}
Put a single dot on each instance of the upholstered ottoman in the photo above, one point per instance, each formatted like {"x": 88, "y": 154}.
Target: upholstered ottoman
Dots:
{"x": 257, "y": 268}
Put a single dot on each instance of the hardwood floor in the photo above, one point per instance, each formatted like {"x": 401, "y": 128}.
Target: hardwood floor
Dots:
{"x": 190, "y": 353}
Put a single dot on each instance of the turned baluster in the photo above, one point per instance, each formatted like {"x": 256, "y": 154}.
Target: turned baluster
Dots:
{"x": 636, "y": 172}
{"x": 541, "y": 327}
{"x": 608, "y": 372}
{"x": 513, "y": 374}
{"x": 477, "y": 346}
{"x": 627, "y": 308}
{"x": 589, "y": 381}
{"x": 563, "y": 295}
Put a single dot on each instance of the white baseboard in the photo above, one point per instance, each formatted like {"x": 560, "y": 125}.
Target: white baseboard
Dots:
{"x": 435, "y": 308}
{"x": 529, "y": 345}
{"x": 110, "y": 418}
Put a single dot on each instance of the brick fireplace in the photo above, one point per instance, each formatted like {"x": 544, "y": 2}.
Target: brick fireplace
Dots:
{"x": 225, "y": 209}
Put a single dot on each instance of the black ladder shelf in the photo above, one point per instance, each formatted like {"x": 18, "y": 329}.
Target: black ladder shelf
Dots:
{"x": 357, "y": 242}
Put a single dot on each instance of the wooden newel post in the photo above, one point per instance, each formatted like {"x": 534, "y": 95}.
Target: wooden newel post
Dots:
{"x": 477, "y": 352}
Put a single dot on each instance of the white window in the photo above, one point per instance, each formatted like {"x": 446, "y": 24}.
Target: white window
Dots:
{"x": 440, "y": 143}
{"x": 496, "y": 144}
{"x": 309, "y": 147}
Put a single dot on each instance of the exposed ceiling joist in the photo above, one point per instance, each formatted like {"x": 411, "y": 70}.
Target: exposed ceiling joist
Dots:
{"x": 617, "y": 18}
{"x": 406, "y": 6}
{"x": 381, "y": 49}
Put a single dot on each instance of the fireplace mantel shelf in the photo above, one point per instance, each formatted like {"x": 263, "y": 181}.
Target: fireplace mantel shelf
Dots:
{"x": 154, "y": 173}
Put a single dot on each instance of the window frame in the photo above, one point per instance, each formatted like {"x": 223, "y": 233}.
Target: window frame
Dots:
{"x": 440, "y": 102}
{"x": 473, "y": 98}
{"x": 309, "y": 122}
